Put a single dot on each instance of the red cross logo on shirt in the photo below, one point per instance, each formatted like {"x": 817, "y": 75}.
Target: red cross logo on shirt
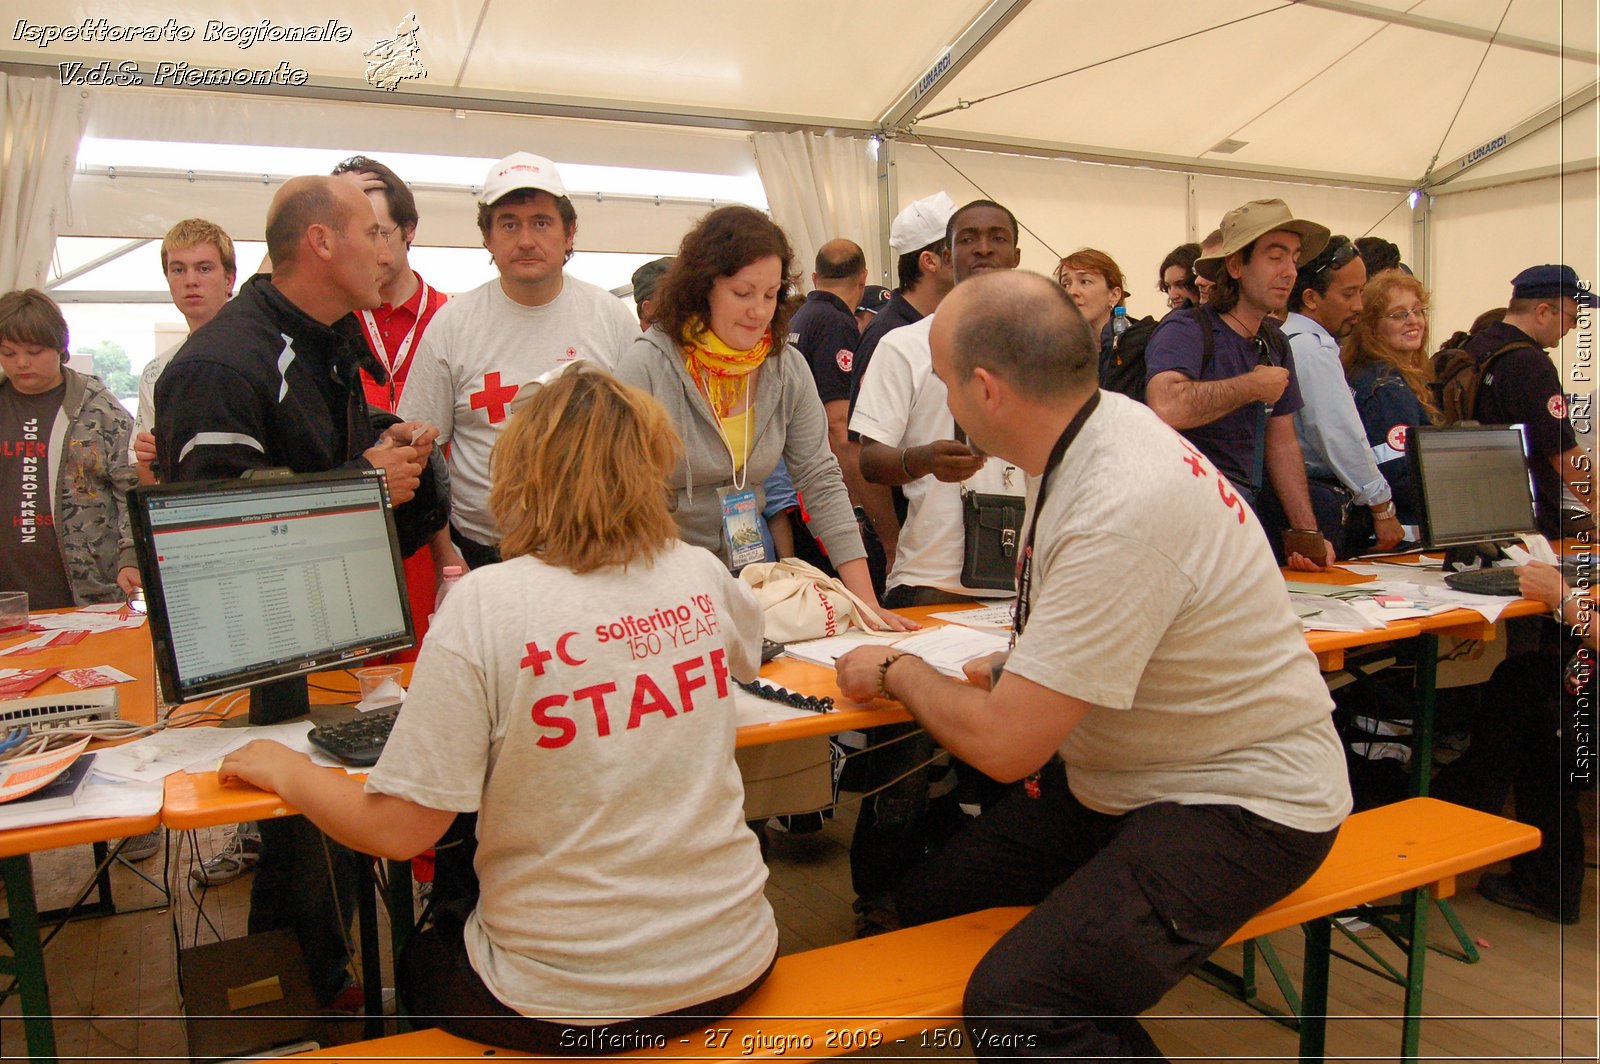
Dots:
{"x": 536, "y": 659}
{"x": 494, "y": 397}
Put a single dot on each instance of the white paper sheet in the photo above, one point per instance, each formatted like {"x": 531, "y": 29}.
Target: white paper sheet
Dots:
{"x": 100, "y": 798}
{"x": 827, "y": 650}
{"x": 952, "y": 646}
{"x": 158, "y": 756}
{"x": 996, "y": 616}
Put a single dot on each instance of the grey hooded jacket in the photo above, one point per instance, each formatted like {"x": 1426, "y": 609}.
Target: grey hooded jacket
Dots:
{"x": 789, "y": 424}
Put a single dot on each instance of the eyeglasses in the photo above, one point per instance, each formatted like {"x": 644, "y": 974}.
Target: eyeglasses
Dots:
{"x": 1342, "y": 254}
{"x": 388, "y": 234}
{"x": 1399, "y": 316}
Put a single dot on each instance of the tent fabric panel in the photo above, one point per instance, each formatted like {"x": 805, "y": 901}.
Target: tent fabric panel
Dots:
{"x": 1134, "y": 215}
{"x": 1572, "y": 145}
{"x": 1483, "y": 238}
{"x": 825, "y": 58}
{"x": 376, "y": 128}
{"x": 148, "y": 206}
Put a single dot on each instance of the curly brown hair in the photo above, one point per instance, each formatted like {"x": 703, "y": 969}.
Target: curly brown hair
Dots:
{"x": 1365, "y": 345}
{"x": 725, "y": 242}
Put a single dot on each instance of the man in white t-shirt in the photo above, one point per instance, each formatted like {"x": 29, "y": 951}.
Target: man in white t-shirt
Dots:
{"x": 909, "y": 439}
{"x": 197, "y": 259}
{"x": 1170, "y": 734}
{"x": 485, "y": 344}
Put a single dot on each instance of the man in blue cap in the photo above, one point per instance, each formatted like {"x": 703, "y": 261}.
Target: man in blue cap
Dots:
{"x": 1524, "y": 387}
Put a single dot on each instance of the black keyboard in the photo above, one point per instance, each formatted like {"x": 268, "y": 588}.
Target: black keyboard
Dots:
{"x": 1498, "y": 581}
{"x": 358, "y": 741}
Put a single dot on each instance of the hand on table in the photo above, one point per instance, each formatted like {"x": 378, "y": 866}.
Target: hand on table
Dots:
{"x": 129, "y": 580}
{"x": 1543, "y": 582}
{"x": 1300, "y": 563}
{"x": 262, "y": 763}
{"x": 1389, "y": 532}
{"x": 857, "y": 671}
{"x": 892, "y": 621}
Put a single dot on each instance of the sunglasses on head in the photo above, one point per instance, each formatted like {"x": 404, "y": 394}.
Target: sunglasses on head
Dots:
{"x": 1342, "y": 254}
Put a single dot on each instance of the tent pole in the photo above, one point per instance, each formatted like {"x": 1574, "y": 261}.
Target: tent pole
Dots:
{"x": 1422, "y": 239}
{"x": 888, "y": 207}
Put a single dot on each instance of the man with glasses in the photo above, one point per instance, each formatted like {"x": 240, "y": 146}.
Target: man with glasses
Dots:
{"x": 1324, "y": 307}
{"x": 1223, "y": 376}
{"x": 485, "y": 344}
{"x": 1525, "y": 388}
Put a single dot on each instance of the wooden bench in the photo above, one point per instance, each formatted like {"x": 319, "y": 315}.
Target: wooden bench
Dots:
{"x": 906, "y": 984}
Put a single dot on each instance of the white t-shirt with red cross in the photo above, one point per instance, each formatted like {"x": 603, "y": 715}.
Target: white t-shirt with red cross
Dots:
{"x": 479, "y": 349}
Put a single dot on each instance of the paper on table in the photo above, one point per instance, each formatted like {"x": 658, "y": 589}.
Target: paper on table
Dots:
{"x": 826, "y": 650}
{"x": 997, "y": 616}
{"x": 81, "y": 621}
{"x": 1332, "y": 615}
{"x": 99, "y": 798}
{"x": 21, "y": 776}
{"x": 952, "y": 646}
{"x": 190, "y": 749}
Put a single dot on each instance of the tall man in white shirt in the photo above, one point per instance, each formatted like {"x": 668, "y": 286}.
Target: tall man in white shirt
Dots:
{"x": 485, "y": 344}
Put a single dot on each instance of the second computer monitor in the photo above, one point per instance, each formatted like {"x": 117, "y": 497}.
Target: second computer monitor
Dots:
{"x": 1473, "y": 482}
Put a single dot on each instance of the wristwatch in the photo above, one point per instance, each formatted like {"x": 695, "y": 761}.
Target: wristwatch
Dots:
{"x": 1385, "y": 513}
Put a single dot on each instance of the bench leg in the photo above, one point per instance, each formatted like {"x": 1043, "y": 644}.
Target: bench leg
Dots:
{"x": 402, "y": 922}
{"x": 1314, "y": 991}
{"x": 1416, "y": 922}
{"x": 26, "y": 963}
{"x": 1243, "y": 985}
{"x": 1468, "y": 953}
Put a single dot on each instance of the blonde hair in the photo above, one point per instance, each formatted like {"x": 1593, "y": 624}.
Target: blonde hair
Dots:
{"x": 578, "y": 477}
{"x": 1365, "y": 345}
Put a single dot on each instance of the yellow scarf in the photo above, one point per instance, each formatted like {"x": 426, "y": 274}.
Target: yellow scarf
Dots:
{"x": 721, "y": 371}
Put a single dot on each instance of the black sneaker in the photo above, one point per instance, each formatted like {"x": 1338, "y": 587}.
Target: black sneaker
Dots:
{"x": 1501, "y": 888}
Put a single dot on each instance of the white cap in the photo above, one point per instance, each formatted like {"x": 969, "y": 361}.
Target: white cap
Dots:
{"x": 920, "y": 224}
{"x": 521, "y": 170}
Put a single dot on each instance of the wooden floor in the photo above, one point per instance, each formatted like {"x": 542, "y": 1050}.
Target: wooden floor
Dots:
{"x": 1532, "y": 997}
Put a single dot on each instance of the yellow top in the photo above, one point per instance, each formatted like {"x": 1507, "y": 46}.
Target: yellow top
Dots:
{"x": 736, "y": 429}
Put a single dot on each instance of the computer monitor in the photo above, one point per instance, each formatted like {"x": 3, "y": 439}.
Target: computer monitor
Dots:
{"x": 1473, "y": 482}
{"x": 252, "y": 581}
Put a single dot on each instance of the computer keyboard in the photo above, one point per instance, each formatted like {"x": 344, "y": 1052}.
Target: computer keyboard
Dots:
{"x": 358, "y": 741}
{"x": 1498, "y": 581}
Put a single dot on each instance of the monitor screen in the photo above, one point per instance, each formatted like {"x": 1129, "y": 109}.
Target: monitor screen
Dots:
{"x": 250, "y": 581}
{"x": 1473, "y": 482}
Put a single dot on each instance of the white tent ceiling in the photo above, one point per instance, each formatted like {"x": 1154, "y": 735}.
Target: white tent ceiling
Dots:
{"x": 1356, "y": 91}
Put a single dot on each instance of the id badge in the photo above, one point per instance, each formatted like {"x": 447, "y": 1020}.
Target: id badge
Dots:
{"x": 741, "y": 527}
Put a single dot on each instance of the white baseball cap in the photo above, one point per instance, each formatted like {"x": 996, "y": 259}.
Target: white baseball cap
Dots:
{"x": 921, "y": 223}
{"x": 521, "y": 170}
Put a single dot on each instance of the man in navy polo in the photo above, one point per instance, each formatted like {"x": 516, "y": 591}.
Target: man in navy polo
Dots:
{"x": 1523, "y": 386}
{"x": 824, "y": 329}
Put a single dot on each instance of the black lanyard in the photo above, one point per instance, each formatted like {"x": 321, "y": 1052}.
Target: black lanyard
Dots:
{"x": 1019, "y": 616}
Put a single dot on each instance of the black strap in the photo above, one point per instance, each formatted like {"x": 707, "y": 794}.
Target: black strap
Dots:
{"x": 1019, "y": 616}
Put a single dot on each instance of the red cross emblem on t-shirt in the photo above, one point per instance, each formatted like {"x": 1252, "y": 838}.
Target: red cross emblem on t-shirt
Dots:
{"x": 493, "y": 397}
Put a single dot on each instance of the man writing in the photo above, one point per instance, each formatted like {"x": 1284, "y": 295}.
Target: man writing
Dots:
{"x": 1177, "y": 778}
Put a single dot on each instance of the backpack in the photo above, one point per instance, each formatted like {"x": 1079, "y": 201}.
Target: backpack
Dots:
{"x": 1123, "y": 370}
{"x": 1458, "y": 376}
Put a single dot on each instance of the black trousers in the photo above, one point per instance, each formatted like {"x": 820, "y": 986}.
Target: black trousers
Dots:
{"x": 295, "y": 888}
{"x": 1526, "y": 745}
{"x": 890, "y": 834}
{"x": 439, "y": 986}
{"x": 475, "y": 554}
{"x": 1126, "y": 906}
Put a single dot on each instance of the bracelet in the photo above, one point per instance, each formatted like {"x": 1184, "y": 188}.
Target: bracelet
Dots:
{"x": 883, "y": 675}
{"x": 903, "y": 467}
{"x": 1561, "y": 607}
{"x": 1385, "y": 513}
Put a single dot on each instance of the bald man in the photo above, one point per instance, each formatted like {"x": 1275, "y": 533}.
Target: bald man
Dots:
{"x": 824, "y": 330}
{"x": 273, "y": 381}
{"x": 1178, "y": 766}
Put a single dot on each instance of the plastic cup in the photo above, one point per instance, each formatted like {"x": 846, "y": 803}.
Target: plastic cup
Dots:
{"x": 373, "y": 682}
{"x": 13, "y": 612}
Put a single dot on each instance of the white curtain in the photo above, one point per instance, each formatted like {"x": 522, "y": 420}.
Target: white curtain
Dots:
{"x": 43, "y": 124}
{"x": 819, "y": 188}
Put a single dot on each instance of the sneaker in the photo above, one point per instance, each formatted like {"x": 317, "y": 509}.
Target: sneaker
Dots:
{"x": 232, "y": 861}
{"x": 142, "y": 847}
{"x": 1502, "y": 889}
